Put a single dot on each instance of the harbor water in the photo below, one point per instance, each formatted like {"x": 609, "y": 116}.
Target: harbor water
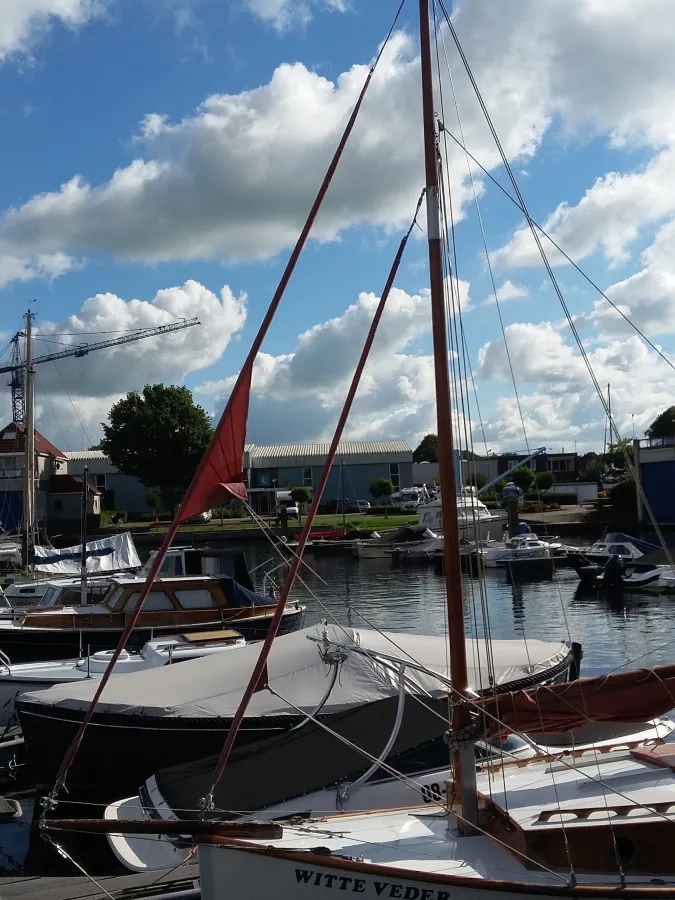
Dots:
{"x": 616, "y": 632}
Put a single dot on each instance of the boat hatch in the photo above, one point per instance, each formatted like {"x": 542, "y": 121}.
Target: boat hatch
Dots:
{"x": 208, "y": 637}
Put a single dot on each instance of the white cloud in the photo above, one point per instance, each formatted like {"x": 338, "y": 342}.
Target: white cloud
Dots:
{"x": 298, "y": 396}
{"x": 24, "y": 22}
{"x": 505, "y": 292}
{"x": 283, "y": 14}
{"x": 558, "y": 401}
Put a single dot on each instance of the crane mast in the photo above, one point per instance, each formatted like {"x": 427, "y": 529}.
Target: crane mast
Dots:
{"x": 17, "y": 366}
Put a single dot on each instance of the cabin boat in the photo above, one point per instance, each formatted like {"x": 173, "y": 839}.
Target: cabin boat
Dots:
{"x": 349, "y": 677}
{"x": 382, "y": 546}
{"x": 183, "y": 786}
{"x": 172, "y": 606}
{"x": 16, "y": 678}
{"x": 476, "y": 522}
{"x": 519, "y": 547}
{"x": 630, "y": 550}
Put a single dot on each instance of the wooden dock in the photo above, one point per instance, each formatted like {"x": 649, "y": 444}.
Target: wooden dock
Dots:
{"x": 176, "y": 884}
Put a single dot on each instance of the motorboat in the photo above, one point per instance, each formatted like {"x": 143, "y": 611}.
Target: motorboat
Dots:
{"x": 476, "y": 522}
{"x": 183, "y": 713}
{"x": 182, "y": 787}
{"x": 172, "y": 606}
{"x": 15, "y": 678}
{"x": 631, "y": 551}
{"x": 519, "y": 547}
{"x": 617, "y": 575}
{"x": 384, "y": 545}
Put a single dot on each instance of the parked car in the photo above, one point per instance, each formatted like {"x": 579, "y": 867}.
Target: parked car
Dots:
{"x": 357, "y": 506}
{"x": 292, "y": 511}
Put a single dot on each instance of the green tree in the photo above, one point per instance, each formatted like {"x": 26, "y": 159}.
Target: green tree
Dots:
{"x": 663, "y": 425}
{"x": 152, "y": 499}
{"x": 382, "y": 488}
{"x": 523, "y": 477}
{"x": 616, "y": 456}
{"x": 624, "y": 498}
{"x": 159, "y": 436}
{"x": 427, "y": 451}
{"x": 301, "y": 495}
{"x": 593, "y": 470}
{"x": 477, "y": 479}
{"x": 543, "y": 480}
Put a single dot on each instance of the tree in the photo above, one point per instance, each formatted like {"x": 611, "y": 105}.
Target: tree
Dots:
{"x": 152, "y": 499}
{"x": 159, "y": 436}
{"x": 477, "y": 479}
{"x": 624, "y": 498}
{"x": 593, "y": 470}
{"x": 543, "y": 480}
{"x": 616, "y": 457}
{"x": 383, "y": 488}
{"x": 663, "y": 425}
{"x": 427, "y": 451}
{"x": 523, "y": 477}
{"x": 301, "y": 495}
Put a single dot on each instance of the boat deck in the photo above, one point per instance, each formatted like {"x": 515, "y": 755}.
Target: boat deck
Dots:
{"x": 182, "y": 882}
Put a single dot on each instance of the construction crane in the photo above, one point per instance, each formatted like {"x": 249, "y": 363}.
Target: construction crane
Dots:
{"x": 16, "y": 366}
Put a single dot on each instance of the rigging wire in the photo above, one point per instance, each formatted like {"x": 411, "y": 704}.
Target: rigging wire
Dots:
{"x": 555, "y": 284}
{"x": 560, "y": 250}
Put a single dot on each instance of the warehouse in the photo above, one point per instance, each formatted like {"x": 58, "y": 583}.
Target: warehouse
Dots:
{"x": 357, "y": 465}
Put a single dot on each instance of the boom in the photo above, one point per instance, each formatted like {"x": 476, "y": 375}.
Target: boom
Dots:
{"x": 16, "y": 366}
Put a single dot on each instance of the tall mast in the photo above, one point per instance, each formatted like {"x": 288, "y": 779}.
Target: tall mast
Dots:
{"x": 83, "y": 536}
{"x": 29, "y": 446}
{"x": 464, "y": 765}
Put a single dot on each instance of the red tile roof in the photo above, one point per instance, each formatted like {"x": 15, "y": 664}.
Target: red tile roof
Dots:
{"x": 12, "y": 441}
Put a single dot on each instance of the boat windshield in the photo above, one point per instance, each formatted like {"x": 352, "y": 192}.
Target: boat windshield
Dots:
{"x": 49, "y": 597}
{"x": 114, "y": 594}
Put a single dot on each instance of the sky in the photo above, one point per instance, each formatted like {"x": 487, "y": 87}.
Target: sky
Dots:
{"x": 159, "y": 158}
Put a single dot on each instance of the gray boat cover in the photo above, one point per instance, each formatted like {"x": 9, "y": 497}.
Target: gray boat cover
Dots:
{"x": 211, "y": 687}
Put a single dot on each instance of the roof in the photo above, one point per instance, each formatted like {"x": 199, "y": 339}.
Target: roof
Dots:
{"x": 69, "y": 484}
{"x": 12, "y": 441}
{"x": 315, "y": 454}
{"x": 76, "y": 455}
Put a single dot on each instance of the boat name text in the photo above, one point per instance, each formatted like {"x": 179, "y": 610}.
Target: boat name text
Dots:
{"x": 362, "y": 886}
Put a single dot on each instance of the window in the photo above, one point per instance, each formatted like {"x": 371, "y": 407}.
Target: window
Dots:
{"x": 393, "y": 474}
{"x": 562, "y": 465}
{"x": 100, "y": 481}
{"x": 58, "y": 506}
{"x": 196, "y": 599}
{"x": 619, "y": 550}
{"x": 307, "y": 477}
{"x": 156, "y": 600}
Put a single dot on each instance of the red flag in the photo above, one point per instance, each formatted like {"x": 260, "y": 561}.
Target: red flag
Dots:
{"x": 220, "y": 475}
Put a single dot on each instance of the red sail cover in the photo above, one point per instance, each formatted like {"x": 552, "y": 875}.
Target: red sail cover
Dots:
{"x": 220, "y": 475}
{"x": 621, "y": 697}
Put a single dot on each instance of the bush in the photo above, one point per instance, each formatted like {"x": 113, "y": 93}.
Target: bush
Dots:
{"x": 543, "y": 480}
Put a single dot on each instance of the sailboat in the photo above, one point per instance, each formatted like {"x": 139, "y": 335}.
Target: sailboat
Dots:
{"x": 593, "y": 827}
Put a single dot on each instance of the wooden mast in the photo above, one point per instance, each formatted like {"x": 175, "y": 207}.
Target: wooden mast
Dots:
{"x": 29, "y": 448}
{"x": 464, "y": 765}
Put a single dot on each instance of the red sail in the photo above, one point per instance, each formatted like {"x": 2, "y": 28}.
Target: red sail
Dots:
{"x": 220, "y": 475}
{"x": 621, "y": 697}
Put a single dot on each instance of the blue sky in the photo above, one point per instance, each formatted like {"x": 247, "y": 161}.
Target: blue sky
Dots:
{"x": 213, "y": 195}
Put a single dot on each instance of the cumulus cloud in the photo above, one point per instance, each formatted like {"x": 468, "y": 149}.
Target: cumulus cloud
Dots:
{"x": 557, "y": 399}
{"x": 505, "y": 292}
{"x": 298, "y": 396}
{"x": 24, "y": 22}
{"x": 283, "y": 14}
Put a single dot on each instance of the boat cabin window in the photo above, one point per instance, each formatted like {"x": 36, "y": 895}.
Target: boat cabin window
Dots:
{"x": 47, "y": 599}
{"x": 619, "y": 549}
{"x": 113, "y": 597}
{"x": 599, "y": 548}
{"x": 155, "y": 600}
{"x": 195, "y": 599}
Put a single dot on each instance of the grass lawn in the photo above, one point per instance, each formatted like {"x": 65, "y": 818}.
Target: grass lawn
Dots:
{"x": 372, "y": 523}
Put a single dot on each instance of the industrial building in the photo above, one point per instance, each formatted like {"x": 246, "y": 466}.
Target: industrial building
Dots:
{"x": 357, "y": 465}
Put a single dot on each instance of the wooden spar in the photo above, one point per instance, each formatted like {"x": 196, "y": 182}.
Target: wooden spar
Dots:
{"x": 249, "y": 830}
{"x": 464, "y": 767}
